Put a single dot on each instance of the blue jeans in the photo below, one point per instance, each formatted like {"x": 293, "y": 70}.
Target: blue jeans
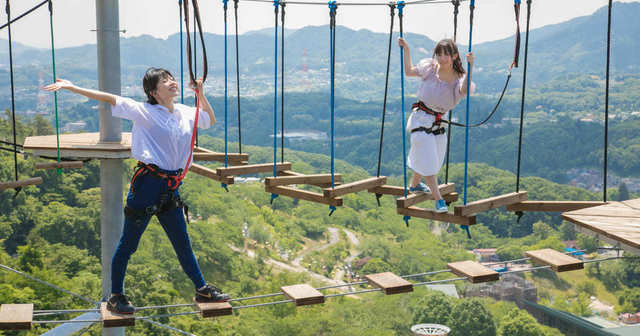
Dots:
{"x": 146, "y": 192}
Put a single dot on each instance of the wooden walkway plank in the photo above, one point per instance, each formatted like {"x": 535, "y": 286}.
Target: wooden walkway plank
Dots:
{"x": 20, "y": 183}
{"x": 234, "y": 158}
{"x": 473, "y": 271}
{"x": 558, "y": 261}
{"x": 353, "y": 187}
{"x": 79, "y": 145}
{"x": 633, "y": 204}
{"x": 16, "y": 316}
{"x": 111, "y": 319}
{"x": 210, "y": 173}
{"x": 412, "y": 199}
{"x": 214, "y": 309}
{"x": 304, "y": 195}
{"x": 612, "y": 209}
{"x": 490, "y": 203}
{"x": 303, "y": 294}
{"x": 62, "y": 165}
{"x": 387, "y": 190}
{"x": 447, "y": 217}
{"x": 252, "y": 169}
{"x": 389, "y": 283}
{"x": 313, "y": 179}
{"x": 337, "y": 178}
{"x": 622, "y": 230}
{"x": 552, "y": 206}
{"x": 450, "y": 198}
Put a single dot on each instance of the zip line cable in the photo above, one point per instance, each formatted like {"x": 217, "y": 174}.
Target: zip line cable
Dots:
{"x": 606, "y": 104}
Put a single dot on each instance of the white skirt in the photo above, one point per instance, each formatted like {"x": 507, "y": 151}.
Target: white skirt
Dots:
{"x": 427, "y": 150}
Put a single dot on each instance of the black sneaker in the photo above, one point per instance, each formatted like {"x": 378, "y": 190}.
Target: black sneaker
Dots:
{"x": 211, "y": 294}
{"x": 119, "y": 304}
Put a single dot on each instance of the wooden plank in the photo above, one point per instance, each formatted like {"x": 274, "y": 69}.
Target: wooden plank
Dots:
{"x": 411, "y": 199}
{"x": 490, "y": 203}
{"x": 612, "y": 209}
{"x": 337, "y": 181}
{"x": 313, "y": 179}
{"x": 213, "y": 309}
{"x": 389, "y": 283}
{"x": 210, "y": 173}
{"x": 79, "y": 145}
{"x": 387, "y": 190}
{"x": 62, "y": 165}
{"x": 353, "y": 187}
{"x": 625, "y": 230}
{"x": 552, "y": 206}
{"x": 447, "y": 217}
{"x": 614, "y": 242}
{"x": 252, "y": 169}
{"x": 303, "y": 294}
{"x": 558, "y": 261}
{"x": 111, "y": 319}
{"x": 634, "y": 203}
{"x": 16, "y": 316}
{"x": 20, "y": 183}
{"x": 214, "y": 156}
{"x": 450, "y": 198}
{"x": 473, "y": 271}
{"x": 304, "y": 195}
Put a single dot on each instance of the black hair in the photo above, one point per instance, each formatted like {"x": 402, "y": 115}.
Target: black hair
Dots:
{"x": 150, "y": 82}
{"x": 448, "y": 47}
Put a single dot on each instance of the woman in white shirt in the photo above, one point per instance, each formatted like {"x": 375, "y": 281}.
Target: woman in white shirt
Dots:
{"x": 161, "y": 142}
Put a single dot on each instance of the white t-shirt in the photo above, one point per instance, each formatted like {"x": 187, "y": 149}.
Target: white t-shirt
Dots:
{"x": 158, "y": 136}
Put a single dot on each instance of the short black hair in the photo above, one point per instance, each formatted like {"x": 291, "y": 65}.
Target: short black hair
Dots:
{"x": 150, "y": 82}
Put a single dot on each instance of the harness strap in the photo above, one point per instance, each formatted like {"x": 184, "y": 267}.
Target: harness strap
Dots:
{"x": 422, "y": 107}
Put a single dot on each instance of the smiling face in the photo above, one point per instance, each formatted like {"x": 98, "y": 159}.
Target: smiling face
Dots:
{"x": 447, "y": 56}
{"x": 160, "y": 86}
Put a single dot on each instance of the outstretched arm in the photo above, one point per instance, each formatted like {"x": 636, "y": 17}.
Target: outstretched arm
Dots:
{"x": 91, "y": 94}
{"x": 409, "y": 69}
{"x": 463, "y": 89}
{"x": 204, "y": 102}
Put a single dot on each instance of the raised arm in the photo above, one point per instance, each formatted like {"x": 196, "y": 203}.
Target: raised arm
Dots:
{"x": 204, "y": 102}
{"x": 409, "y": 69}
{"x": 463, "y": 89}
{"x": 91, "y": 94}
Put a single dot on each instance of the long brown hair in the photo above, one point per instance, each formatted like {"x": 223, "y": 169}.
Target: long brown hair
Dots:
{"x": 448, "y": 47}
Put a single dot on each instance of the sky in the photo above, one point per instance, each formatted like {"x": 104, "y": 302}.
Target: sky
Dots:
{"x": 493, "y": 19}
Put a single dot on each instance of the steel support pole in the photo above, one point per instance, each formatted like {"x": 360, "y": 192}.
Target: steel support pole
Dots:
{"x": 111, "y": 170}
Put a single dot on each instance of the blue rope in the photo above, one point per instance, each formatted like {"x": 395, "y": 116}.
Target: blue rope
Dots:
{"x": 400, "y": 5}
{"x": 276, "y": 4}
{"x": 181, "y": 57}
{"x": 466, "y": 129}
{"x": 226, "y": 92}
{"x": 332, "y": 30}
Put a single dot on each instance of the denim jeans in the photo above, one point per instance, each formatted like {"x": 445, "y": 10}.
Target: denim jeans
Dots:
{"x": 146, "y": 191}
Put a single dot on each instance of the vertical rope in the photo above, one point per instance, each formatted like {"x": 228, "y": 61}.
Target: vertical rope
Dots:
{"x": 456, "y": 5}
{"x": 400, "y": 5}
{"x": 606, "y": 105}
{"x": 195, "y": 59}
{"x": 226, "y": 88}
{"x": 55, "y": 93}
{"x": 13, "y": 104}
{"x": 524, "y": 87}
{"x": 332, "y": 43}
{"x": 235, "y": 7}
{"x": 181, "y": 57}
{"x": 466, "y": 129}
{"x": 276, "y": 4}
{"x": 282, "y": 89}
{"x": 392, "y": 8}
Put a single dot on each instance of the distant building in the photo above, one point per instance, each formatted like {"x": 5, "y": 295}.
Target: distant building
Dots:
{"x": 486, "y": 254}
{"x": 511, "y": 287}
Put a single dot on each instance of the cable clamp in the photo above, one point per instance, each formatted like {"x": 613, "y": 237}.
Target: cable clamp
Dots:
{"x": 400, "y": 5}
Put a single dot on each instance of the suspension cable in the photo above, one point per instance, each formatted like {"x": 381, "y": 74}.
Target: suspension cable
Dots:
{"x": 181, "y": 56}
{"x": 226, "y": 91}
{"x": 456, "y": 10}
{"x": 55, "y": 93}
{"x": 392, "y": 10}
{"x": 524, "y": 86}
{"x": 235, "y": 8}
{"x": 400, "y": 5}
{"x": 333, "y": 7}
{"x": 23, "y": 14}
{"x": 13, "y": 100}
{"x": 606, "y": 104}
{"x": 282, "y": 4}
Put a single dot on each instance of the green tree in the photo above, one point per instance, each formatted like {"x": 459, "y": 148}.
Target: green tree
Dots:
{"x": 470, "y": 318}
{"x": 519, "y": 323}
{"x": 580, "y": 305}
{"x": 588, "y": 243}
{"x": 433, "y": 307}
{"x": 567, "y": 231}
{"x": 623, "y": 192}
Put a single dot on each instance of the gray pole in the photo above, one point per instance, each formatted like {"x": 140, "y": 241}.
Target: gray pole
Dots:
{"x": 111, "y": 170}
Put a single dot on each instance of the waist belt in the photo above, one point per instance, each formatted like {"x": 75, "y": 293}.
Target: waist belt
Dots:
{"x": 173, "y": 178}
{"x": 436, "y": 128}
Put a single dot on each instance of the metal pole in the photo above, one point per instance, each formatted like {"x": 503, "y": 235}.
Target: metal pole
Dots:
{"x": 111, "y": 170}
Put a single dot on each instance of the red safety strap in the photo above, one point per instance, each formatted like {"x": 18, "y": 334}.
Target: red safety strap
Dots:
{"x": 193, "y": 139}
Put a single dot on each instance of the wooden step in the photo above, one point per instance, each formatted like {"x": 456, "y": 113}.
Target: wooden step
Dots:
{"x": 252, "y": 169}
{"x": 558, "y": 261}
{"x": 387, "y": 190}
{"x": 210, "y": 173}
{"x": 56, "y": 165}
{"x": 450, "y": 198}
{"x": 447, "y": 217}
{"x": 111, "y": 319}
{"x": 552, "y": 206}
{"x": 411, "y": 199}
{"x": 313, "y": 179}
{"x": 235, "y": 158}
{"x": 353, "y": 187}
{"x": 490, "y": 203}
{"x": 213, "y": 309}
{"x": 473, "y": 271}
{"x": 303, "y": 294}
{"x": 389, "y": 283}
{"x": 304, "y": 195}
{"x": 321, "y": 183}
{"x": 20, "y": 183}
{"x": 16, "y": 316}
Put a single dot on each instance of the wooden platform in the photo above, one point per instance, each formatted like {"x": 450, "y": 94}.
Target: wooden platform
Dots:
{"x": 558, "y": 261}
{"x": 61, "y": 165}
{"x": 20, "y": 183}
{"x": 312, "y": 179}
{"x": 552, "y": 206}
{"x": 321, "y": 182}
{"x": 389, "y": 283}
{"x": 203, "y": 154}
{"x": 111, "y": 320}
{"x": 303, "y": 294}
{"x": 79, "y": 145}
{"x": 16, "y": 316}
{"x": 213, "y": 309}
{"x": 252, "y": 169}
{"x": 303, "y": 195}
{"x": 473, "y": 271}
{"x": 353, "y": 187}
{"x": 490, "y": 203}
{"x": 210, "y": 173}
{"x": 617, "y": 223}
{"x": 411, "y": 199}
{"x": 447, "y": 217}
